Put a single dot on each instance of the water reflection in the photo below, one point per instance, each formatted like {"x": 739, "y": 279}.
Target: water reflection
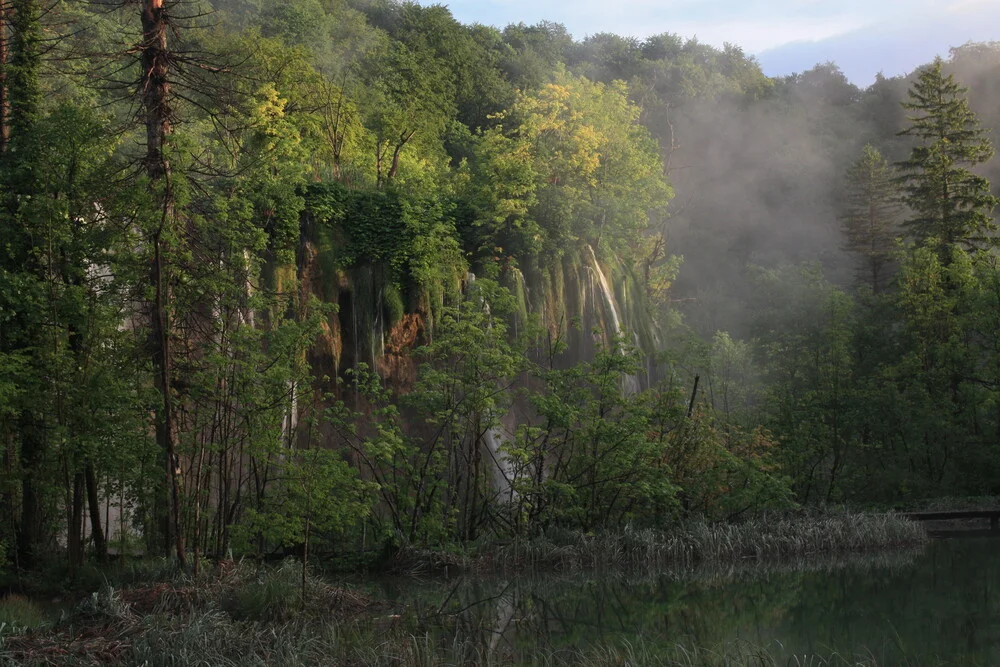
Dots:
{"x": 936, "y": 606}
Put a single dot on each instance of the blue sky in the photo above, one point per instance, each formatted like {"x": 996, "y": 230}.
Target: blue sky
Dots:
{"x": 863, "y": 36}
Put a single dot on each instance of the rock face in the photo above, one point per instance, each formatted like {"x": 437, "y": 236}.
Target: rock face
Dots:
{"x": 576, "y": 299}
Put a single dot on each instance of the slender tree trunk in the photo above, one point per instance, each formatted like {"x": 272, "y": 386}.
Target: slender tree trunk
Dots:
{"x": 32, "y": 454}
{"x": 4, "y": 99}
{"x": 9, "y": 504}
{"x": 197, "y": 508}
{"x": 93, "y": 502}
{"x": 379, "y": 154}
{"x": 155, "y": 94}
{"x": 397, "y": 149}
{"x": 22, "y": 98}
{"x": 305, "y": 558}
{"x": 74, "y": 539}
{"x": 155, "y": 87}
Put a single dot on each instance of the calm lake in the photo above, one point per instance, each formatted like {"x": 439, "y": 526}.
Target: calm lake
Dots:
{"x": 939, "y": 605}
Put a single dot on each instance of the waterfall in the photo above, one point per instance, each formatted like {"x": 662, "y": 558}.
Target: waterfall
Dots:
{"x": 521, "y": 295}
{"x": 631, "y": 382}
{"x": 377, "y": 342}
{"x": 501, "y": 470}
{"x": 606, "y": 293}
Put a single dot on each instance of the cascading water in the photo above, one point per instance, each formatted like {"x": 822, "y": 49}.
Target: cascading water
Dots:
{"x": 377, "y": 343}
{"x": 521, "y": 293}
{"x": 501, "y": 470}
{"x": 631, "y": 382}
{"x": 606, "y": 293}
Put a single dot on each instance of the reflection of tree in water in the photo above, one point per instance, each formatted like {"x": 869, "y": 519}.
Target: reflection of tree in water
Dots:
{"x": 515, "y": 618}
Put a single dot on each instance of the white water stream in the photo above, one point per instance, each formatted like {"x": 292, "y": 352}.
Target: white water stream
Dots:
{"x": 501, "y": 470}
{"x": 631, "y": 382}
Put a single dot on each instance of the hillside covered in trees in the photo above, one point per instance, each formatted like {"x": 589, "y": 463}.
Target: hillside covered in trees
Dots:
{"x": 336, "y": 274}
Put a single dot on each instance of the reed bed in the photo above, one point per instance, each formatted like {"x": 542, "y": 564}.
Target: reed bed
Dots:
{"x": 211, "y": 637}
{"x": 730, "y": 654}
{"x": 764, "y": 538}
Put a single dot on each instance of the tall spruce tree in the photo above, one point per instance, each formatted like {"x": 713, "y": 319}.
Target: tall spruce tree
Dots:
{"x": 871, "y": 212}
{"x": 948, "y": 201}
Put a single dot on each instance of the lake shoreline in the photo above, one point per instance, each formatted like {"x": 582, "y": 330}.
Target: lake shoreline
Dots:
{"x": 777, "y": 537}
{"x": 156, "y": 613}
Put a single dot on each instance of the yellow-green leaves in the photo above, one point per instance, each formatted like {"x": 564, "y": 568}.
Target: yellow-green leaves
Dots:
{"x": 569, "y": 163}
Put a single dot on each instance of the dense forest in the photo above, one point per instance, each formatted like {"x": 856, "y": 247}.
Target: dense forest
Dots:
{"x": 348, "y": 274}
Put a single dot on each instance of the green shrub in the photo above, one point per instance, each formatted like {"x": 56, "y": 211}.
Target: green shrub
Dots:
{"x": 275, "y": 594}
{"x": 18, "y": 613}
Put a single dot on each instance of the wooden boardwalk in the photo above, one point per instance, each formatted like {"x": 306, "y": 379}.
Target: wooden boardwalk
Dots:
{"x": 957, "y": 515}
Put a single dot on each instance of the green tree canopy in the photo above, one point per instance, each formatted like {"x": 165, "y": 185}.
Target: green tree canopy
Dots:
{"x": 947, "y": 199}
{"x": 871, "y": 209}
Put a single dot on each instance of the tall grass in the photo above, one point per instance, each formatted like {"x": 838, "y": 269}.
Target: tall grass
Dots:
{"x": 245, "y": 615}
{"x": 238, "y": 613}
{"x": 19, "y": 614}
{"x": 730, "y": 654}
{"x": 761, "y": 538}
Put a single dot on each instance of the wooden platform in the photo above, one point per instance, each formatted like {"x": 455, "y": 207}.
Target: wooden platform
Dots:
{"x": 957, "y": 515}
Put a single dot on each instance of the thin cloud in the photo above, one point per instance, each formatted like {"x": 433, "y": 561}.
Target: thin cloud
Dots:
{"x": 754, "y": 25}
{"x": 790, "y": 35}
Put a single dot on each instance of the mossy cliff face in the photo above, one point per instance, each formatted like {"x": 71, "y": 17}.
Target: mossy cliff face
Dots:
{"x": 390, "y": 262}
{"x": 583, "y": 300}
{"x": 386, "y": 264}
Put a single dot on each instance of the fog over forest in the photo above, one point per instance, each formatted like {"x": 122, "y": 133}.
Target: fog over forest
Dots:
{"x": 342, "y": 273}
{"x": 766, "y": 181}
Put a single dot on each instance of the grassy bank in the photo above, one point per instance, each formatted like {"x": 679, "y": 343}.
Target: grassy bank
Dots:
{"x": 235, "y": 614}
{"x": 762, "y": 538}
{"x": 240, "y": 613}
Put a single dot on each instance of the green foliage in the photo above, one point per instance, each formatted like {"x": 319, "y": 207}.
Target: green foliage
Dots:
{"x": 434, "y": 474}
{"x": 336, "y": 167}
{"x": 411, "y": 235}
{"x": 594, "y": 458}
{"x": 314, "y": 491}
{"x": 273, "y": 595}
{"x": 805, "y": 326}
{"x": 576, "y": 166}
{"x": 949, "y": 201}
{"x": 872, "y": 209}
{"x": 18, "y": 615}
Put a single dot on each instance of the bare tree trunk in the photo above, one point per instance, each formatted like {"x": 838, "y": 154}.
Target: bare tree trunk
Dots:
{"x": 397, "y": 149}
{"x": 155, "y": 89}
{"x": 155, "y": 92}
{"x": 10, "y": 508}
{"x": 4, "y": 99}
{"x": 305, "y": 558}
{"x": 197, "y": 508}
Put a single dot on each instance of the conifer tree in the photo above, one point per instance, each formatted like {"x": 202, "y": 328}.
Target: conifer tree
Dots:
{"x": 872, "y": 209}
{"x": 948, "y": 201}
